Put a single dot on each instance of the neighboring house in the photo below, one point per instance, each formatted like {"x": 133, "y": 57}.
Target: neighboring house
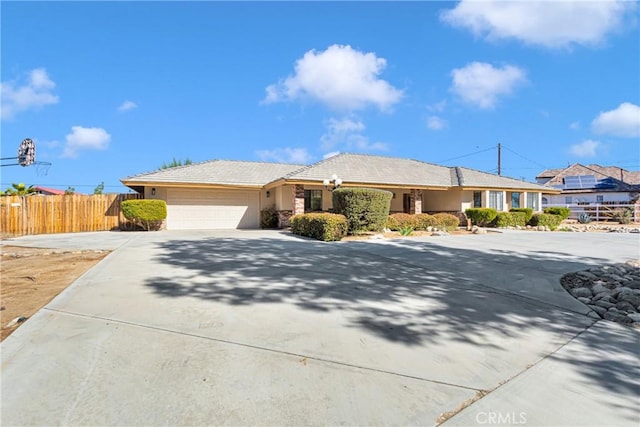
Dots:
{"x": 231, "y": 194}
{"x": 49, "y": 191}
{"x": 587, "y": 184}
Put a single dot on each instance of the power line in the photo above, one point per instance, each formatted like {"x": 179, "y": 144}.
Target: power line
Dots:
{"x": 466, "y": 155}
{"x": 525, "y": 158}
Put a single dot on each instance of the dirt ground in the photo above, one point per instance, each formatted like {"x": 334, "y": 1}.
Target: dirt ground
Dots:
{"x": 31, "y": 277}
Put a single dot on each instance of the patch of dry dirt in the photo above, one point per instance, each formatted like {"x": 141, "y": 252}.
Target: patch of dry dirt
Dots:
{"x": 31, "y": 277}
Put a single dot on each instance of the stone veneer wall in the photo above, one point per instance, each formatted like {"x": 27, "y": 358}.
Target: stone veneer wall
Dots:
{"x": 284, "y": 218}
{"x": 298, "y": 199}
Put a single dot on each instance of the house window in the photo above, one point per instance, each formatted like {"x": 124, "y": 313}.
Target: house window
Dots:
{"x": 515, "y": 200}
{"x": 599, "y": 198}
{"x": 495, "y": 200}
{"x": 568, "y": 200}
{"x": 477, "y": 199}
{"x": 312, "y": 200}
{"x": 532, "y": 201}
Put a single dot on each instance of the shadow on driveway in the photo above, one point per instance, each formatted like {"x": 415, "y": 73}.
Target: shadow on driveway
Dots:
{"x": 410, "y": 293}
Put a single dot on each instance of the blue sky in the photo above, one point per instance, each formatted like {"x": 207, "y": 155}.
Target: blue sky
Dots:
{"x": 112, "y": 89}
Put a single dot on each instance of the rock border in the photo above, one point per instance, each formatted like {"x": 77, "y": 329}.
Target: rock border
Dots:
{"x": 611, "y": 291}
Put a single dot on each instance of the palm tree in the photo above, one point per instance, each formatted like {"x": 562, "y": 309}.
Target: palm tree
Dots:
{"x": 20, "y": 189}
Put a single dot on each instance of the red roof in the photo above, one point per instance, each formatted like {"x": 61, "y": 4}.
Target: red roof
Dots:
{"x": 51, "y": 191}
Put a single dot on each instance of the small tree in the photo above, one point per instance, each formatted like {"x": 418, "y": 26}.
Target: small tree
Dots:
{"x": 69, "y": 191}
{"x": 99, "y": 189}
{"x": 147, "y": 213}
{"x": 175, "y": 163}
{"x": 366, "y": 209}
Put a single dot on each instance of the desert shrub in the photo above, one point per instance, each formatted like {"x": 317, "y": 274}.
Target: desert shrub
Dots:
{"x": 481, "y": 216}
{"x": 445, "y": 221}
{"x": 400, "y": 220}
{"x": 425, "y": 221}
{"x": 584, "y": 218}
{"x": 269, "y": 217}
{"x": 321, "y": 226}
{"x": 147, "y": 213}
{"x": 527, "y": 211}
{"x": 510, "y": 219}
{"x": 545, "y": 219}
{"x": 556, "y": 210}
{"x": 366, "y": 209}
{"x": 622, "y": 215}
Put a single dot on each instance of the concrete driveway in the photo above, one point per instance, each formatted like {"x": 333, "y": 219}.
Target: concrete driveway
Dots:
{"x": 263, "y": 328}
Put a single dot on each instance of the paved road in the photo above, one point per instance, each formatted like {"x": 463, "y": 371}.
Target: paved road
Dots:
{"x": 262, "y": 328}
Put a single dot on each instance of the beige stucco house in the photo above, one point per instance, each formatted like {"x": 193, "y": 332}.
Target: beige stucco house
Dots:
{"x": 230, "y": 194}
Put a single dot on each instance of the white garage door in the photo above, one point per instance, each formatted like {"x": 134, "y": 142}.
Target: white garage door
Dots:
{"x": 195, "y": 209}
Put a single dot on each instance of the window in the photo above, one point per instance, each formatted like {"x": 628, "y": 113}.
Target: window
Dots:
{"x": 495, "y": 200}
{"x": 568, "y": 200}
{"x": 515, "y": 200}
{"x": 312, "y": 200}
{"x": 477, "y": 199}
{"x": 532, "y": 201}
{"x": 599, "y": 198}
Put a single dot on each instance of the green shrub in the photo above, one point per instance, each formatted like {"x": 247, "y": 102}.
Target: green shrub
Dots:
{"x": 527, "y": 211}
{"x": 425, "y": 221}
{"x": 545, "y": 219}
{"x": 397, "y": 221}
{"x": 481, "y": 216}
{"x": 510, "y": 219}
{"x": 269, "y": 217}
{"x": 366, "y": 209}
{"x": 406, "y": 231}
{"x": 445, "y": 221}
{"x": 321, "y": 226}
{"x": 148, "y": 213}
{"x": 622, "y": 215}
{"x": 562, "y": 212}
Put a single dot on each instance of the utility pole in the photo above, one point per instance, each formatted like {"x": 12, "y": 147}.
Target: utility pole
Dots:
{"x": 499, "y": 158}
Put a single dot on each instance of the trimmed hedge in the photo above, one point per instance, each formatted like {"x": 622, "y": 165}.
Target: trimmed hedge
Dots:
{"x": 562, "y": 212}
{"x": 425, "y": 221}
{"x": 445, "y": 221}
{"x": 320, "y": 226}
{"x": 147, "y": 213}
{"x": 401, "y": 220}
{"x": 269, "y": 218}
{"x": 545, "y": 219}
{"x": 510, "y": 219}
{"x": 527, "y": 211}
{"x": 366, "y": 209}
{"x": 481, "y": 216}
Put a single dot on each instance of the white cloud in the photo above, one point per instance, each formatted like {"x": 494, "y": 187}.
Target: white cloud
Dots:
{"x": 82, "y": 138}
{"x": 438, "y": 107}
{"x": 338, "y": 131}
{"x": 35, "y": 93}
{"x": 340, "y": 77}
{"x": 574, "y": 126}
{"x": 285, "y": 155}
{"x": 624, "y": 121}
{"x": 331, "y": 154}
{"x": 586, "y": 148}
{"x": 348, "y": 134}
{"x": 436, "y": 123}
{"x": 552, "y": 24}
{"x": 481, "y": 84}
{"x": 127, "y": 105}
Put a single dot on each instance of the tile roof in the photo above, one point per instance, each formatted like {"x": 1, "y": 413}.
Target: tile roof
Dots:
{"x": 368, "y": 169}
{"x": 629, "y": 183}
{"x": 220, "y": 172}
{"x": 351, "y": 168}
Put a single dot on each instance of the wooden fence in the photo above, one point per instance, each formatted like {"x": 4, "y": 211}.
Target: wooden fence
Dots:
{"x": 38, "y": 214}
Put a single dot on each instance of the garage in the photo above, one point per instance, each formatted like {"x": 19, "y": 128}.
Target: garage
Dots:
{"x": 202, "y": 209}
